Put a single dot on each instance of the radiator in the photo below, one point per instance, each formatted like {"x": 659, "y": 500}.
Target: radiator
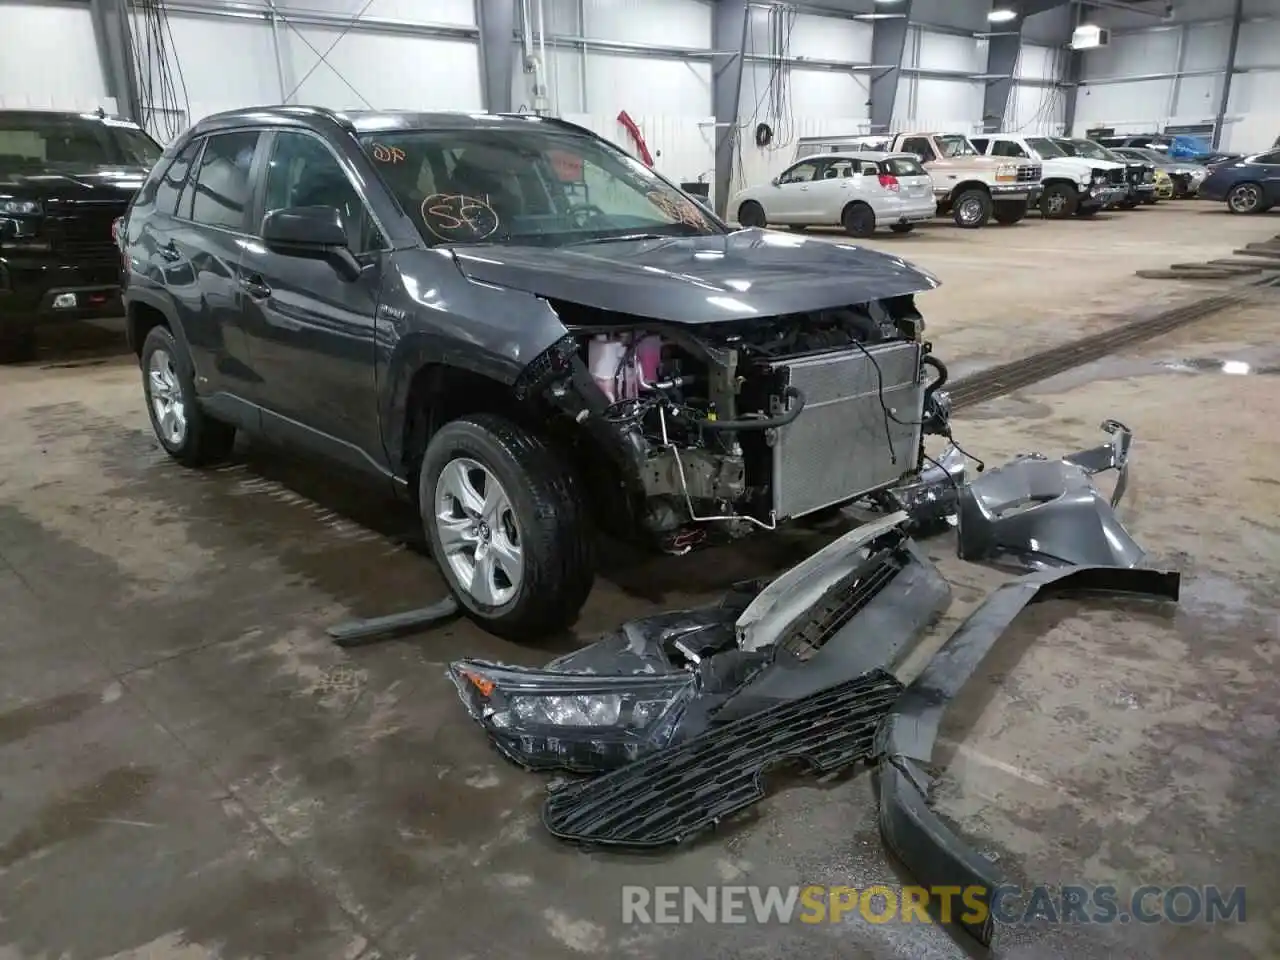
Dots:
{"x": 840, "y": 447}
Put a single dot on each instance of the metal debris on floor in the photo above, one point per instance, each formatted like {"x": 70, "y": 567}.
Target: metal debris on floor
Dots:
{"x": 1250, "y": 261}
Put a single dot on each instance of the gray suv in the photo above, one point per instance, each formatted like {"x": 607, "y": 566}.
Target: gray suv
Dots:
{"x": 522, "y": 328}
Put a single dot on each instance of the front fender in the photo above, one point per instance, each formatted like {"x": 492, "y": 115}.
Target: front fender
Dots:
{"x": 490, "y": 331}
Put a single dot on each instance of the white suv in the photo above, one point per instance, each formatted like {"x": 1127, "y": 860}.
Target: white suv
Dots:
{"x": 1072, "y": 185}
{"x": 858, "y": 191}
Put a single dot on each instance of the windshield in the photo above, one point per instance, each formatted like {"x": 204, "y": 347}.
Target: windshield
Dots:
{"x": 1152, "y": 156}
{"x": 1045, "y": 147}
{"x": 36, "y": 140}
{"x": 541, "y": 186}
{"x": 955, "y": 145}
{"x": 1094, "y": 151}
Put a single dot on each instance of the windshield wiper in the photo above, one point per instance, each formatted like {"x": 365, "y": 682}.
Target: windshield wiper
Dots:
{"x": 625, "y": 237}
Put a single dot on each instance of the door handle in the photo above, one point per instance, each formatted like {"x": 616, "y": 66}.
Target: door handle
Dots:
{"x": 170, "y": 252}
{"x": 255, "y": 286}
{"x": 804, "y": 188}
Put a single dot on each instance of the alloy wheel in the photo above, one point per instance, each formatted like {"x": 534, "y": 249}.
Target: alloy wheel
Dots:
{"x": 167, "y": 402}
{"x": 971, "y": 211}
{"x": 1245, "y": 198}
{"x": 478, "y": 533}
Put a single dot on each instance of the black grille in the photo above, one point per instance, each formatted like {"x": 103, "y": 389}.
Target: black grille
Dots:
{"x": 1116, "y": 175}
{"x": 842, "y": 602}
{"x": 85, "y": 231}
{"x": 1028, "y": 174}
{"x": 674, "y": 794}
{"x": 1134, "y": 173}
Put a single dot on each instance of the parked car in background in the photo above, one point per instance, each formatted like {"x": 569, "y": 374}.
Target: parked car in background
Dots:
{"x": 1174, "y": 146}
{"x": 857, "y": 191}
{"x": 1073, "y": 186}
{"x": 523, "y": 329}
{"x": 1140, "y": 175}
{"x": 1186, "y": 176}
{"x": 64, "y": 179}
{"x": 967, "y": 186}
{"x": 1251, "y": 185}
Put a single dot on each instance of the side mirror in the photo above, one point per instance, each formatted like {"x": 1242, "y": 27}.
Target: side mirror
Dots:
{"x": 776, "y": 181}
{"x": 311, "y": 233}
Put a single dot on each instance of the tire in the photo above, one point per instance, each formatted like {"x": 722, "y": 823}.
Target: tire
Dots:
{"x": 859, "y": 220}
{"x": 17, "y": 341}
{"x": 535, "y": 512}
{"x": 751, "y": 214}
{"x": 1245, "y": 198}
{"x": 1007, "y": 214}
{"x": 972, "y": 209}
{"x": 902, "y": 227}
{"x": 167, "y": 368}
{"x": 1059, "y": 202}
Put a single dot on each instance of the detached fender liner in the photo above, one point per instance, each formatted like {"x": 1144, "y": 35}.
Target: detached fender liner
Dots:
{"x": 916, "y": 835}
{"x": 673, "y": 794}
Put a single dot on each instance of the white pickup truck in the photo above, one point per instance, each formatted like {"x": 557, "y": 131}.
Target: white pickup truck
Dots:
{"x": 1073, "y": 186}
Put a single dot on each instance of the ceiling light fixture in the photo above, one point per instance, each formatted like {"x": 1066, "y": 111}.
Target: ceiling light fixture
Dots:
{"x": 1002, "y": 15}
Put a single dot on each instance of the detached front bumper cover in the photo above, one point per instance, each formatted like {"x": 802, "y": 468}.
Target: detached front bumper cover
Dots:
{"x": 1035, "y": 513}
{"x": 934, "y": 855}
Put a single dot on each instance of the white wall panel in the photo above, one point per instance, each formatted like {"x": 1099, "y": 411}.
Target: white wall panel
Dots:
{"x": 831, "y": 38}
{"x": 461, "y": 13}
{"x": 1144, "y": 103}
{"x": 1253, "y": 121}
{"x": 1259, "y": 45}
{"x": 382, "y": 71}
{"x": 215, "y": 64}
{"x": 49, "y": 58}
{"x": 1039, "y": 63}
{"x": 945, "y": 51}
{"x": 683, "y": 23}
{"x": 677, "y": 88}
{"x": 1036, "y": 110}
{"x": 682, "y": 149}
{"x": 1205, "y": 46}
{"x": 1132, "y": 54}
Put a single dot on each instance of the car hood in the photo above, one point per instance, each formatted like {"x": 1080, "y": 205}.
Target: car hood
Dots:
{"x": 78, "y": 185}
{"x": 699, "y": 280}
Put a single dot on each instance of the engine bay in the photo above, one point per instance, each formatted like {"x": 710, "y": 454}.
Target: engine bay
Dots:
{"x": 746, "y": 424}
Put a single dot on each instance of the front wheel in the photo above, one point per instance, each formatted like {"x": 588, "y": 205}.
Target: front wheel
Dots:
{"x": 507, "y": 525}
{"x": 1245, "y": 198}
{"x": 972, "y": 209}
{"x": 1059, "y": 202}
{"x": 17, "y": 341}
{"x": 751, "y": 214}
{"x": 186, "y": 432}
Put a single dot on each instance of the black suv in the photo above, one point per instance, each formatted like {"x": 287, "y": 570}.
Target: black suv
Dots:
{"x": 64, "y": 179}
{"x": 517, "y": 324}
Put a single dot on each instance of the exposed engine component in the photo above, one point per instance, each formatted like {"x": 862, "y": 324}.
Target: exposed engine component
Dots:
{"x": 752, "y": 422}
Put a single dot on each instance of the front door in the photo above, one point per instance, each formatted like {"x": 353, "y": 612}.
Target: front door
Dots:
{"x": 312, "y": 331}
{"x": 792, "y": 198}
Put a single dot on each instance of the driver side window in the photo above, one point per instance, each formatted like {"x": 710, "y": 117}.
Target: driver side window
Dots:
{"x": 920, "y": 147}
{"x": 800, "y": 173}
{"x": 303, "y": 173}
{"x": 1007, "y": 148}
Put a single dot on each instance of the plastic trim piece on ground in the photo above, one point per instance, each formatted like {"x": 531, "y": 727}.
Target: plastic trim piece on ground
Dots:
{"x": 933, "y": 854}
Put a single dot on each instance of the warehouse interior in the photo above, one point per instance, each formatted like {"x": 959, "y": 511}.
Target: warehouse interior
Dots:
{"x": 245, "y": 707}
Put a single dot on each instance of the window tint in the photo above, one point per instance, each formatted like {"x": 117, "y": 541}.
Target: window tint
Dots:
{"x": 1270, "y": 157}
{"x": 903, "y": 167}
{"x": 1007, "y": 148}
{"x": 919, "y": 146}
{"x": 839, "y": 169}
{"x": 800, "y": 173}
{"x": 171, "y": 182}
{"x": 223, "y": 192}
{"x": 979, "y": 143}
{"x": 303, "y": 173}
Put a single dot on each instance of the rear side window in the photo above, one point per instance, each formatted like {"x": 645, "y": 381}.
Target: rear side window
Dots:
{"x": 979, "y": 143}
{"x": 1269, "y": 158}
{"x": 902, "y": 167}
{"x": 174, "y": 178}
{"x": 919, "y": 146}
{"x": 223, "y": 190}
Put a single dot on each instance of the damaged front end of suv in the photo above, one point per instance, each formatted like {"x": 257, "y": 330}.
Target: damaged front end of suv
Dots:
{"x": 709, "y": 425}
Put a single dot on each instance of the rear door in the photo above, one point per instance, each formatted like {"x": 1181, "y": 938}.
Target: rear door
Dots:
{"x": 201, "y": 257}
{"x": 913, "y": 182}
{"x": 832, "y": 189}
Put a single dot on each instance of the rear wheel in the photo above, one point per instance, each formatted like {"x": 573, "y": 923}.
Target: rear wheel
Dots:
{"x": 902, "y": 227}
{"x": 17, "y": 341}
{"x": 972, "y": 209}
{"x": 1245, "y": 198}
{"x": 1009, "y": 212}
{"x": 507, "y": 525}
{"x": 859, "y": 220}
{"x": 1059, "y": 201}
{"x": 186, "y": 432}
{"x": 751, "y": 214}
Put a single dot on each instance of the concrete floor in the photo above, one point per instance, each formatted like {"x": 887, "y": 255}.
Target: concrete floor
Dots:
{"x": 190, "y": 769}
